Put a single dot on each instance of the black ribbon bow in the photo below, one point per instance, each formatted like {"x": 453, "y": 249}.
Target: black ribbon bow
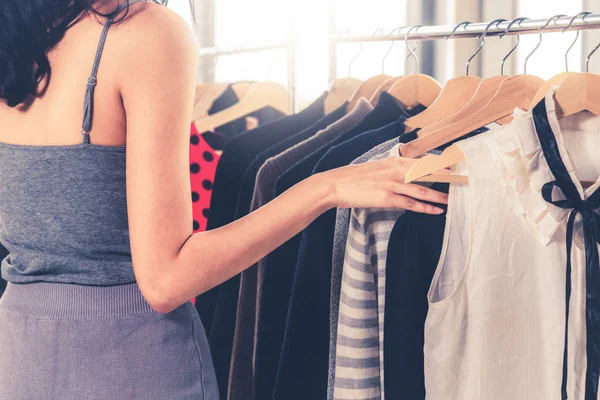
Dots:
{"x": 591, "y": 232}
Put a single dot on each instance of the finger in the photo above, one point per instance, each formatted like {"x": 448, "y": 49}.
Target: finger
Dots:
{"x": 407, "y": 161}
{"x": 411, "y": 204}
{"x": 420, "y": 192}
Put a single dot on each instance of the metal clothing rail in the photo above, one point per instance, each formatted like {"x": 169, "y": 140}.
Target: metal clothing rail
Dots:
{"x": 221, "y": 51}
{"x": 591, "y": 21}
{"x": 466, "y": 30}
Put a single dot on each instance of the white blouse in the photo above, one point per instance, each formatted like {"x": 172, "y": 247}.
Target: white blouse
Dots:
{"x": 496, "y": 321}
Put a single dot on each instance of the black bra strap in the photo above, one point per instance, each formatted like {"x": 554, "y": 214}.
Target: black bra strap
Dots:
{"x": 91, "y": 85}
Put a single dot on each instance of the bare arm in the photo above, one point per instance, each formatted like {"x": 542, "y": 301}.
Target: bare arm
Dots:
{"x": 171, "y": 264}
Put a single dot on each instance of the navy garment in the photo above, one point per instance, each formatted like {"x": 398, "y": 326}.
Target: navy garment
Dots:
{"x": 219, "y": 139}
{"x": 279, "y": 267}
{"x": 413, "y": 253}
{"x": 237, "y": 156}
{"x": 304, "y": 359}
{"x": 223, "y": 327}
{"x": 233, "y": 163}
{"x": 247, "y": 186}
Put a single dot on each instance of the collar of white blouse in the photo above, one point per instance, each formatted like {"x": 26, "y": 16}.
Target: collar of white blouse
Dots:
{"x": 525, "y": 169}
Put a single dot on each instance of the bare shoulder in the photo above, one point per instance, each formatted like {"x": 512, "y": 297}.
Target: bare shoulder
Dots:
{"x": 153, "y": 33}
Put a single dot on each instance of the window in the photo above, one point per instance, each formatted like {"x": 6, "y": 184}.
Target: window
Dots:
{"x": 307, "y": 25}
{"x": 181, "y": 7}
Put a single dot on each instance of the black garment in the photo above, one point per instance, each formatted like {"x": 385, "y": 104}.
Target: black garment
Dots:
{"x": 305, "y": 352}
{"x": 413, "y": 253}
{"x": 233, "y": 163}
{"x": 3, "y": 254}
{"x": 304, "y": 361}
{"x": 219, "y": 139}
{"x": 223, "y": 326}
{"x": 279, "y": 266}
{"x": 247, "y": 186}
{"x": 236, "y": 158}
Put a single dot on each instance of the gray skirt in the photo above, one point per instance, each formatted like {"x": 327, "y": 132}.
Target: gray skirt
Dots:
{"x": 73, "y": 342}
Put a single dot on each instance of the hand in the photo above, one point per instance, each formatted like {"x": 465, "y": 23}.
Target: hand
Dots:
{"x": 380, "y": 184}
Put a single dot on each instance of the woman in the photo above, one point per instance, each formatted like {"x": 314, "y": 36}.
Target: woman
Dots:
{"x": 102, "y": 259}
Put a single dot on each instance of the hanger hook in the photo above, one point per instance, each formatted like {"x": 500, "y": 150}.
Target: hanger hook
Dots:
{"x": 465, "y": 23}
{"x": 519, "y": 20}
{"x": 373, "y": 35}
{"x": 587, "y": 59}
{"x": 582, "y": 15}
{"x": 411, "y": 51}
{"x": 482, "y": 37}
{"x": 540, "y": 41}
{"x": 391, "y": 47}
{"x": 347, "y": 31}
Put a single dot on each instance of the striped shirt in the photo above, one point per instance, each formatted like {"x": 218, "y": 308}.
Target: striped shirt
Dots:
{"x": 342, "y": 226}
{"x": 359, "y": 349}
{"x": 359, "y": 372}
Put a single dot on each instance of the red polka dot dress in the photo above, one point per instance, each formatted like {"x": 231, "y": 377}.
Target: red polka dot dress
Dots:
{"x": 203, "y": 166}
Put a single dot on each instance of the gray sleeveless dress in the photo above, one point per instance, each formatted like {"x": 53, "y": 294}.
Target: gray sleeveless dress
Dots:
{"x": 73, "y": 323}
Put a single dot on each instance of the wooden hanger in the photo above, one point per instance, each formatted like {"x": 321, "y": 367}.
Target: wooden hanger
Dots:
{"x": 341, "y": 91}
{"x": 577, "y": 93}
{"x": 367, "y": 89}
{"x": 415, "y": 89}
{"x": 241, "y": 88}
{"x": 516, "y": 91}
{"x": 556, "y": 80}
{"x": 200, "y": 90}
{"x": 454, "y": 96}
{"x": 206, "y": 94}
{"x": 580, "y": 92}
{"x": 384, "y": 87}
{"x": 485, "y": 92}
{"x": 260, "y": 95}
{"x": 432, "y": 168}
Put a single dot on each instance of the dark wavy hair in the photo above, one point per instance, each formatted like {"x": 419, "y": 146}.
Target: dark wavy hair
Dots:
{"x": 29, "y": 29}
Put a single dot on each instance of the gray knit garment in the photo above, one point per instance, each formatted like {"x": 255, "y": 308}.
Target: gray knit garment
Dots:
{"x": 63, "y": 214}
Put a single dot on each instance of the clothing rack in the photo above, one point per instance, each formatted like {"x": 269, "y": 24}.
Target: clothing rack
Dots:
{"x": 216, "y": 52}
{"x": 472, "y": 30}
